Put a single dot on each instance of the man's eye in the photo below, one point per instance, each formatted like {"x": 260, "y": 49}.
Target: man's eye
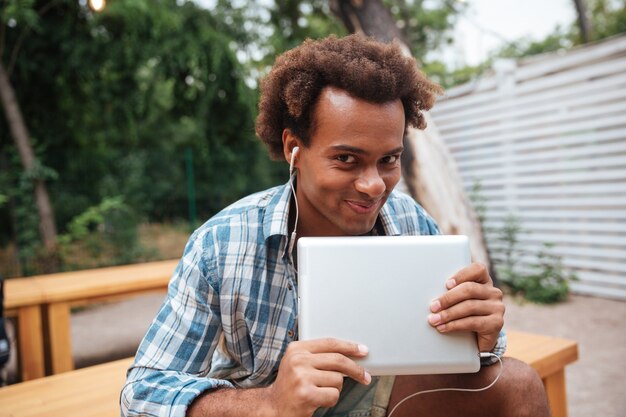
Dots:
{"x": 348, "y": 159}
{"x": 390, "y": 159}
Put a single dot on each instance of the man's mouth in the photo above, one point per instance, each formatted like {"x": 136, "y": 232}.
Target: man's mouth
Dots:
{"x": 363, "y": 207}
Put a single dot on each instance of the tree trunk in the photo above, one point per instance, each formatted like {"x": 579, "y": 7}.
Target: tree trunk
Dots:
{"x": 47, "y": 228}
{"x": 429, "y": 171}
{"x": 583, "y": 20}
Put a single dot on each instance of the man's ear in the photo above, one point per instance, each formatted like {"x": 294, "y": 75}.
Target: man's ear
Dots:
{"x": 290, "y": 141}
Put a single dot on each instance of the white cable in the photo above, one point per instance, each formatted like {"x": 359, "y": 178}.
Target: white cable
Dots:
{"x": 292, "y": 240}
{"x": 482, "y": 355}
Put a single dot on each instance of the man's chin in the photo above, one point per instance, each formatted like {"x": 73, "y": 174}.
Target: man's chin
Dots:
{"x": 360, "y": 229}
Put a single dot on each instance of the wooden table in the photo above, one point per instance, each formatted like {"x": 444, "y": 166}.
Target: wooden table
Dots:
{"x": 548, "y": 356}
{"x": 42, "y": 306}
{"x": 88, "y": 392}
{"x": 94, "y": 391}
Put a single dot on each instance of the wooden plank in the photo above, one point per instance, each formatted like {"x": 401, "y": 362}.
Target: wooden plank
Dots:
{"x": 570, "y": 77}
{"x": 569, "y": 214}
{"x": 60, "y": 338}
{"x": 564, "y": 250}
{"x": 556, "y": 392}
{"x": 548, "y": 156}
{"x": 597, "y": 92}
{"x": 583, "y": 138}
{"x": 563, "y": 165}
{"x": 613, "y": 174}
{"x": 536, "y": 132}
{"x": 547, "y": 355}
{"x": 92, "y": 391}
{"x": 19, "y": 292}
{"x": 599, "y": 290}
{"x": 536, "y": 66}
{"x": 617, "y": 188}
{"x": 520, "y": 122}
{"x": 562, "y": 226}
{"x": 30, "y": 343}
{"x": 103, "y": 282}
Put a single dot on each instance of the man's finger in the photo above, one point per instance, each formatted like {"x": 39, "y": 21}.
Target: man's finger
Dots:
{"x": 331, "y": 345}
{"x": 465, "y": 291}
{"x": 475, "y": 272}
{"x": 479, "y": 324}
{"x": 464, "y": 309}
{"x": 336, "y": 362}
{"x": 326, "y": 397}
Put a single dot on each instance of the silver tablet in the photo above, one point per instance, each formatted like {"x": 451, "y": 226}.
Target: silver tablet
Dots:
{"x": 376, "y": 290}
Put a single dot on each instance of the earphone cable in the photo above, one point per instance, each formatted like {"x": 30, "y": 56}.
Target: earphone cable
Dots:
{"x": 292, "y": 239}
{"x": 482, "y": 355}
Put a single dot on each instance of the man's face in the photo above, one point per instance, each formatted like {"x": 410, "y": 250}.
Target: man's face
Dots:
{"x": 350, "y": 166}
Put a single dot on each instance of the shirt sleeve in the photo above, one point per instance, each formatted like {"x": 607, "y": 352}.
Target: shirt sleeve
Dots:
{"x": 174, "y": 358}
{"x": 498, "y": 350}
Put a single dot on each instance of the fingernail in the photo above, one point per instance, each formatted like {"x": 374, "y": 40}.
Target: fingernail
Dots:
{"x": 435, "y": 306}
{"x": 363, "y": 349}
{"x": 368, "y": 378}
{"x": 451, "y": 283}
{"x": 434, "y": 319}
{"x": 441, "y": 327}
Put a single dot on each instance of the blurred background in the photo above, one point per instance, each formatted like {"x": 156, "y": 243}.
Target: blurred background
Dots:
{"x": 127, "y": 123}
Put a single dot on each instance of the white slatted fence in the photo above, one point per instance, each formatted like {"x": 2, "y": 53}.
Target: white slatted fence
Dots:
{"x": 546, "y": 139}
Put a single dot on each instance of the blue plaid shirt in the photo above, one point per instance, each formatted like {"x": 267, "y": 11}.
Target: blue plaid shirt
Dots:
{"x": 234, "y": 282}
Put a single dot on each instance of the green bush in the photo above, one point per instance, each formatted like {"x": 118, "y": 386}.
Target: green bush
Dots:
{"x": 545, "y": 281}
{"x": 106, "y": 233}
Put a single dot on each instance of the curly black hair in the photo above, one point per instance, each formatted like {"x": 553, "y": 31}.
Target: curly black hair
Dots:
{"x": 365, "y": 68}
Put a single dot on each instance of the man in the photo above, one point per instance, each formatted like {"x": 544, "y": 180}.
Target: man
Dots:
{"x": 225, "y": 341}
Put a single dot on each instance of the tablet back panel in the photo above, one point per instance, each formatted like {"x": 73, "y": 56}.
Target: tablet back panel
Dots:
{"x": 377, "y": 291}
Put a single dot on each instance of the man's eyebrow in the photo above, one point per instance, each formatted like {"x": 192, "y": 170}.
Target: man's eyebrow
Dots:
{"x": 359, "y": 151}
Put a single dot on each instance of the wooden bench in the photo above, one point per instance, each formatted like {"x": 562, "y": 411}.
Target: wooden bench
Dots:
{"x": 94, "y": 391}
{"x": 42, "y": 306}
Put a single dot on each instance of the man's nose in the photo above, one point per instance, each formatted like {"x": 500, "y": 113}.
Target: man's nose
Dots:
{"x": 370, "y": 182}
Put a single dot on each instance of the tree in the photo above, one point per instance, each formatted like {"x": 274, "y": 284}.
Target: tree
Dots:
{"x": 13, "y": 12}
{"x": 583, "y": 20}
{"x": 431, "y": 176}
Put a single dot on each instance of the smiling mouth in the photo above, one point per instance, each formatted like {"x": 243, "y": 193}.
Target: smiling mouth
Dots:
{"x": 362, "y": 207}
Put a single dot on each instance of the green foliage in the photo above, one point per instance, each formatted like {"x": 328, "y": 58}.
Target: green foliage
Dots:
{"x": 608, "y": 18}
{"x": 18, "y": 12}
{"x": 426, "y": 25}
{"x": 115, "y": 98}
{"x": 17, "y": 191}
{"x": 109, "y": 227}
{"x": 544, "y": 281}
{"x": 92, "y": 218}
{"x": 547, "y": 282}
{"x": 440, "y": 73}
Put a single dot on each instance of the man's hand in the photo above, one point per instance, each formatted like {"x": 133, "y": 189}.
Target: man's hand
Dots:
{"x": 471, "y": 303}
{"x": 311, "y": 375}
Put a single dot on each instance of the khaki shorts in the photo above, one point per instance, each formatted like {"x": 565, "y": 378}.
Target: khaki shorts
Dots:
{"x": 357, "y": 400}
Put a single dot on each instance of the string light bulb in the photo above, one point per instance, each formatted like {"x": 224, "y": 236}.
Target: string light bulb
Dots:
{"x": 97, "y": 5}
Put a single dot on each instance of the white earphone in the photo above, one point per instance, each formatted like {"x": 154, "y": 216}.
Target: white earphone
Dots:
{"x": 293, "y": 159}
{"x": 292, "y": 239}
